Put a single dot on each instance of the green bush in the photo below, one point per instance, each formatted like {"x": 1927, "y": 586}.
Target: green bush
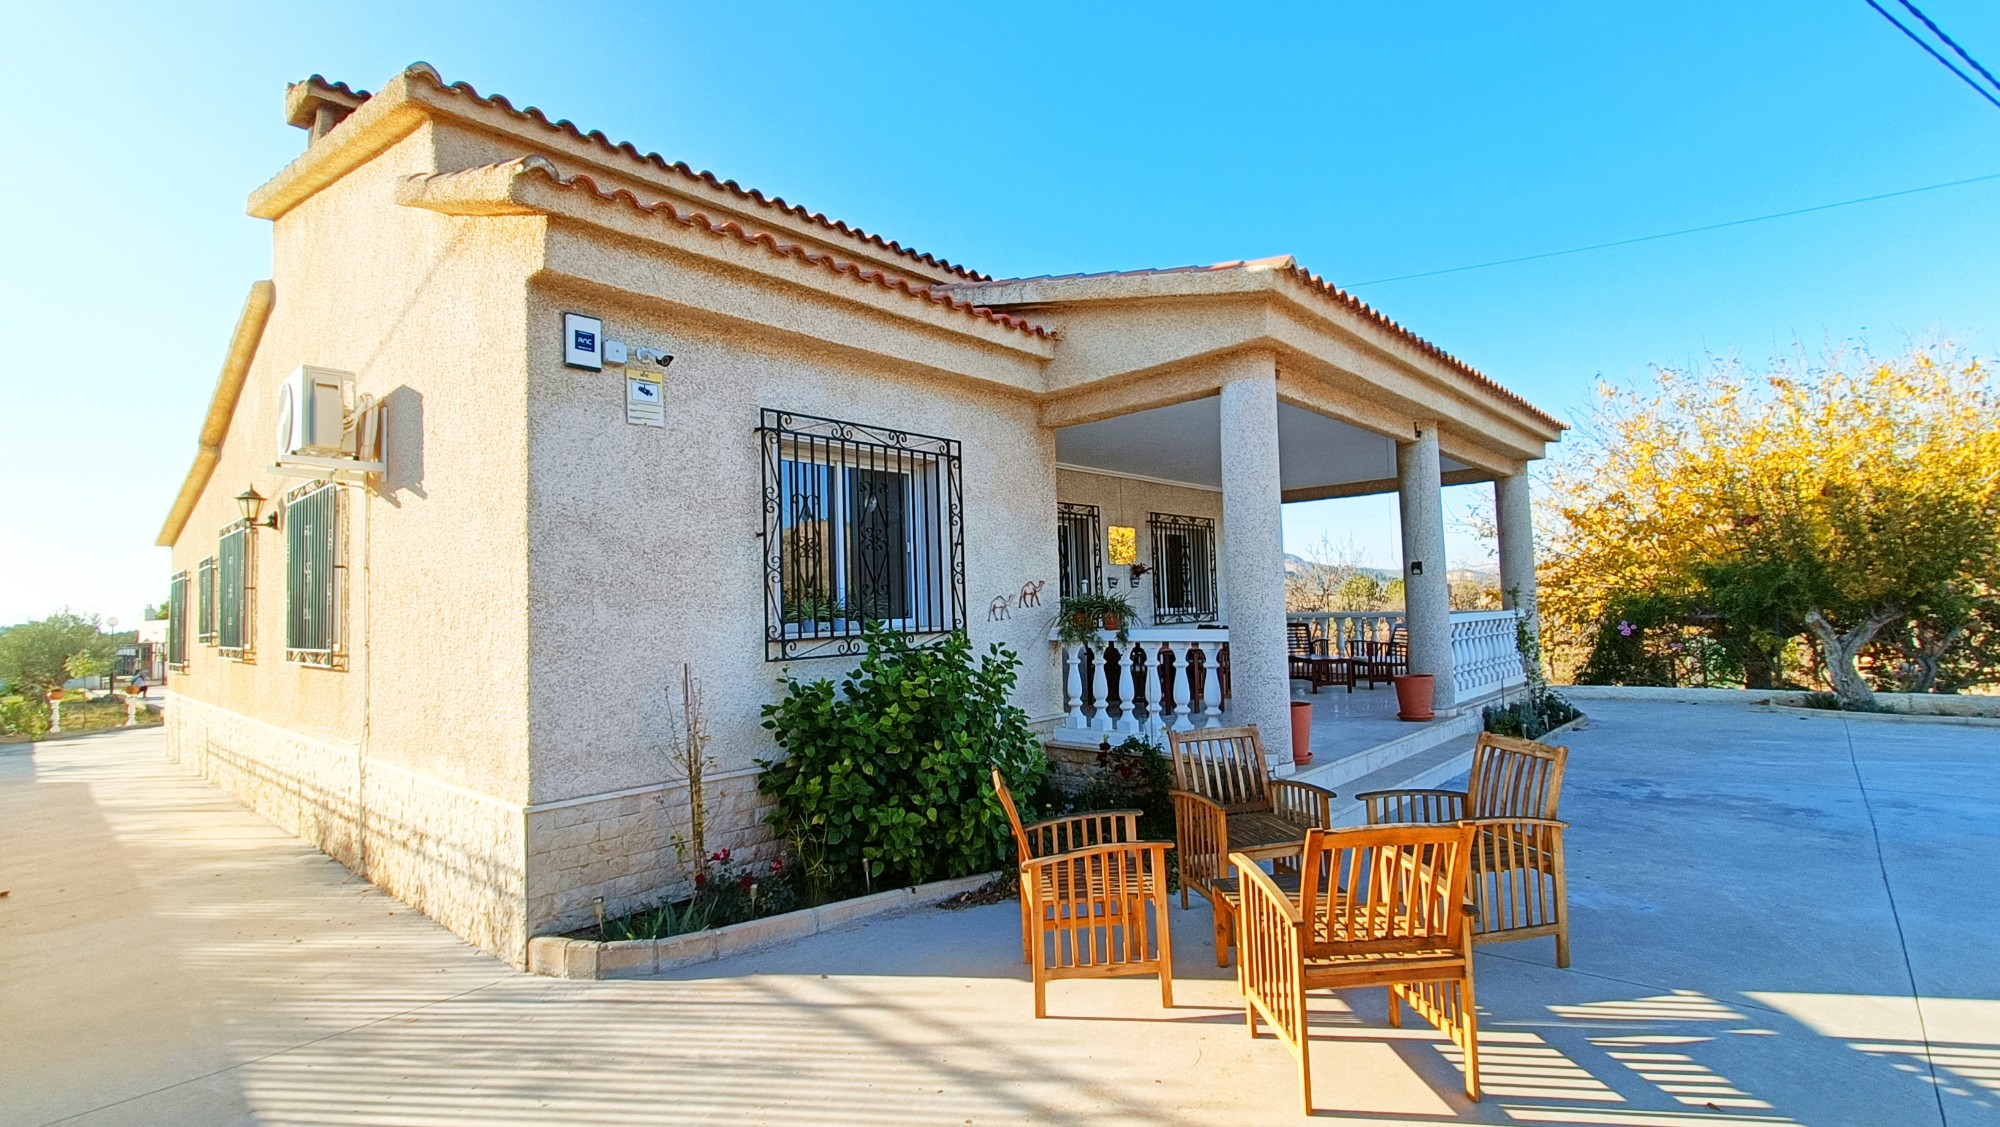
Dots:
{"x": 884, "y": 778}
{"x": 1531, "y": 717}
{"x": 23, "y": 716}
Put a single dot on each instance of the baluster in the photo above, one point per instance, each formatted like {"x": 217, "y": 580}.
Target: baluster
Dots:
{"x": 1181, "y": 722}
{"x": 1073, "y": 685}
{"x": 1128, "y": 688}
{"x": 1155, "y": 673}
{"x": 1100, "y": 719}
{"x": 1211, "y": 690}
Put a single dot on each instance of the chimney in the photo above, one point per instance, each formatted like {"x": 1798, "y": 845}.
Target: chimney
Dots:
{"x": 317, "y": 105}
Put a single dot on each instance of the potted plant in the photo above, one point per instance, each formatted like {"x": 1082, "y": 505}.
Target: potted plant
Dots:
{"x": 1080, "y": 617}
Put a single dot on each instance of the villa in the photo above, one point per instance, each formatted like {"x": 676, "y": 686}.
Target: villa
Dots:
{"x": 525, "y": 420}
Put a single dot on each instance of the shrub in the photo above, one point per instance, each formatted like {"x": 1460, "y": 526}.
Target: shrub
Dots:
{"x": 1135, "y": 775}
{"x": 1542, "y": 709}
{"x": 1531, "y": 717}
{"x": 884, "y": 778}
{"x": 23, "y": 716}
{"x": 724, "y": 893}
{"x": 1831, "y": 702}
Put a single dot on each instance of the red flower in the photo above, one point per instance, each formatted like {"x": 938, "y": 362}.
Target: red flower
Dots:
{"x": 744, "y": 882}
{"x": 719, "y": 855}
{"x": 778, "y": 866}
{"x": 700, "y": 878}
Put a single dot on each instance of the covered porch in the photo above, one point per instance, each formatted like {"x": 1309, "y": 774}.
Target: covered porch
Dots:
{"x": 1178, "y": 678}
{"x": 1188, "y": 408}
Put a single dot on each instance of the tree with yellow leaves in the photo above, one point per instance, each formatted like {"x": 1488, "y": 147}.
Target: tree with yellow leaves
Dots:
{"x": 1842, "y": 501}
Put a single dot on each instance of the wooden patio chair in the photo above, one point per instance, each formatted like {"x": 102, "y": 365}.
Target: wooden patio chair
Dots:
{"x": 1093, "y": 898}
{"x": 1380, "y": 662}
{"x": 1379, "y": 906}
{"x": 1310, "y": 662}
{"x": 1517, "y": 867}
{"x": 1226, "y": 801}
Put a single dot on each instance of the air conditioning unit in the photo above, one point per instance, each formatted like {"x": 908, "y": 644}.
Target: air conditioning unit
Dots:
{"x": 312, "y": 412}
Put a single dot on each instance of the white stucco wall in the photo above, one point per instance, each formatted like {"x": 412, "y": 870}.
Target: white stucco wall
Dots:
{"x": 403, "y": 764}
{"x": 1129, "y": 502}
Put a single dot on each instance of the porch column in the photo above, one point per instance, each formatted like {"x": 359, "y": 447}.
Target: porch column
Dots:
{"x": 1426, "y": 594}
{"x": 1514, "y": 517}
{"x": 1253, "y": 559}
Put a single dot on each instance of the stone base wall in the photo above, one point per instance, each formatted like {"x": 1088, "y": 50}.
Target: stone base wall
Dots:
{"x": 456, "y": 856}
{"x": 633, "y": 848}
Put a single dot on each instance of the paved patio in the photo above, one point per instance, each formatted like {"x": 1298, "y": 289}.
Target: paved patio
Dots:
{"x": 1778, "y": 920}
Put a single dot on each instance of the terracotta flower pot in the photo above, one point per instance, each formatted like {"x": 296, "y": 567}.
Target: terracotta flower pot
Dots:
{"x": 1111, "y": 623}
{"x": 1413, "y": 696}
{"x": 1302, "y": 732}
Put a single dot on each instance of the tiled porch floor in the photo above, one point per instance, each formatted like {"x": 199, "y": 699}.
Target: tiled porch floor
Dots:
{"x": 1343, "y": 724}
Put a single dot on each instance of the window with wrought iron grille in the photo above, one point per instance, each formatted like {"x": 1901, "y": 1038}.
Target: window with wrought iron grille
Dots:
{"x": 177, "y": 622}
{"x": 233, "y": 592}
{"x": 1079, "y": 550}
{"x": 314, "y": 571}
{"x": 204, "y": 601}
{"x": 861, "y": 524}
{"x": 1183, "y": 569}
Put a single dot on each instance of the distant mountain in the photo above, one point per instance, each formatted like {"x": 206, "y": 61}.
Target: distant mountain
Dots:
{"x": 1295, "y": 564}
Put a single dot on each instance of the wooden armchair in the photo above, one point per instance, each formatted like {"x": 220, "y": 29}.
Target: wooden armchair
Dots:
{"x": 1226, "y": 801}
{"x": 1517, "y": 865}
{"x": 1378, "y": 906}
{"x": 1309, "y": 661}
{"x": 1093, "y": 898}
{"x": 1380, "y": 662}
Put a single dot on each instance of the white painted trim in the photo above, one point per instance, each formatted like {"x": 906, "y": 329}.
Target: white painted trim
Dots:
{"x": 1138, "y": 477}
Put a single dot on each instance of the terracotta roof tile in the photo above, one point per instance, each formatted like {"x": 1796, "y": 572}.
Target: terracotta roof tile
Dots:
{"x": 682, "y": 169}
{"x": 1286, "y": 264}
{"x": 1335, "y": 294}
{"x": 730, "y": 229}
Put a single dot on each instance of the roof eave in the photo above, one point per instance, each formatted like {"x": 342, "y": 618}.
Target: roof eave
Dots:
{"x": 221, "y": 406}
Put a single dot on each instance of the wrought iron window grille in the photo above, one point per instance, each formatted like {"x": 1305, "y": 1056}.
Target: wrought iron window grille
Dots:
{"x": 315, "y": 576}
{"x": 1184, "y": 588}
{"x": 204, "y": 594}
{"x": 236, "y": 593}
{"x": 177, "y": 622}
{"x": 861, "y": 525}
{"x": 1079, "y": 549}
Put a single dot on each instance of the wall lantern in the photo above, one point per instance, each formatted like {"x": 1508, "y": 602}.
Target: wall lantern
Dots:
{"x": 250, "y": 503}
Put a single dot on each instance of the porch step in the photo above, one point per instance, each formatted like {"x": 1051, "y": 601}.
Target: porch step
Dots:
{"x": 1432, "y": 767}
{"x": 1341, "y": 774}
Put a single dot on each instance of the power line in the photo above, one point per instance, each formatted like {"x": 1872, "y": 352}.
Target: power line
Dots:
{"x": 1933, "y": 52}
{"x": 1673, "y": 234}
{"x": 1950, "y": 42}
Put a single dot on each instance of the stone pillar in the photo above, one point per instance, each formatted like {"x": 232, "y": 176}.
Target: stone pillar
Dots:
{"x": 1514, "y": 517}
{"x": 1253, "y": 560}
{"x": 1426, "y": 594}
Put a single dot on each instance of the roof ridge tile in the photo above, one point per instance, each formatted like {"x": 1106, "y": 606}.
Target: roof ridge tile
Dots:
{"x": 536, "y": 164}
{"x": 681, "y": 168}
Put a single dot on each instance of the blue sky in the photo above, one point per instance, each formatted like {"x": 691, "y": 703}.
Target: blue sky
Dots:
{"x": 1368, "y": 140}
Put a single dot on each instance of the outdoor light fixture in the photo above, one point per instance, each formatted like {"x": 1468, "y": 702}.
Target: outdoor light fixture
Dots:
{"x": 250, "y": 503}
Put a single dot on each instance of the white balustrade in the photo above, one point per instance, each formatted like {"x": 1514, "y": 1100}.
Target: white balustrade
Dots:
{"x": 1342, "y": 630}
{"x": 1163, "y": 677}
{"x": 1485, "y": 653}
{"x": 1168, "y": 677}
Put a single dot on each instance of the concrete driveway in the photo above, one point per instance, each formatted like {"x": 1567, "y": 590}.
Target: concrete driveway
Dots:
{"x": 1778, "y": 920}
